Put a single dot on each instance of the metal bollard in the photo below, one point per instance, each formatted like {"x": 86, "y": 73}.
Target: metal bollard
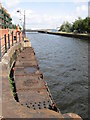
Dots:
{"x": 5, "y": 43}
{"x": 16, "y": 37}
{"x": 8, "y": 41}
{"x": 12, "y": 38}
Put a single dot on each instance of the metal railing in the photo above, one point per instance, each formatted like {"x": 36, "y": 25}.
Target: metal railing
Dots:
{"x": 8, "y": 41}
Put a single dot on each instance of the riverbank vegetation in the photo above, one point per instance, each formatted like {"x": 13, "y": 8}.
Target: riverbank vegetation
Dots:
{"x": 78, "y": 26}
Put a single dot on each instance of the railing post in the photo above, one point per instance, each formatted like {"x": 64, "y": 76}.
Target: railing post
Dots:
{"x": 8, "y": 41}
{"x": 12, "y": 38}
{"x": 5, "y": 43}
{"x": 19, "y": 36}
{"x": 16, "y": 37}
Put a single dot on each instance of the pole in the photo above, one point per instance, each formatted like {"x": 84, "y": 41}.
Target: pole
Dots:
{"x": 24, "y": 24}
{"x": 19, "y": 36}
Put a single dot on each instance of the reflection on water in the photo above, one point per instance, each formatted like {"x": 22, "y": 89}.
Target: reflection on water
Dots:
{"x": 64, "y": 61}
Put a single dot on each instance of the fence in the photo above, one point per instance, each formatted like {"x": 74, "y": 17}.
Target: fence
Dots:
{"x": 9, "y": 40}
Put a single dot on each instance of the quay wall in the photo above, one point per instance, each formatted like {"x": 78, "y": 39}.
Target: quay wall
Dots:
{"x": 11, "y": 108}
{"x": 74, "y": 35}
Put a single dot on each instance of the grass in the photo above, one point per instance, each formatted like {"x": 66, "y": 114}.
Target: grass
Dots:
{"x": 12, "y": 84}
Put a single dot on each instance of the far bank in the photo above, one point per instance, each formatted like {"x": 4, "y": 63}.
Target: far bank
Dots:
{"x": 74, "y": 35}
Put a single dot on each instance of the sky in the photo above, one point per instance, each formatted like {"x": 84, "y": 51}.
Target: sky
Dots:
{"x": 46, "y": 14}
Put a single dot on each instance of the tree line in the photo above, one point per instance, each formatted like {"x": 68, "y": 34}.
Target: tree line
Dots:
{"x": 15, "y": 26}
{"x": 79, "y": 26}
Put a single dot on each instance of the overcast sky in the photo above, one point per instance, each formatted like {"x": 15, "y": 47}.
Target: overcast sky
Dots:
{"x": 46, "y": 14}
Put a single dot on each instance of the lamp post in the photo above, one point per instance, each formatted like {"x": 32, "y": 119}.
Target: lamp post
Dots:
{"x": 23, "y": 22}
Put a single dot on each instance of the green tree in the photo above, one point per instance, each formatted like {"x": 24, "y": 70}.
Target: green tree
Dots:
{"x": 78, "y": 25}
{"x": 14, "y": 26}
{"x": 82, "y": 25}
{"x": 66, "y": 27}
{"x": 87, "y": 24}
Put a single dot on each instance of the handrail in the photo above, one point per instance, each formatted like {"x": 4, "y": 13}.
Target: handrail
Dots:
{"x": 9, "y": 40}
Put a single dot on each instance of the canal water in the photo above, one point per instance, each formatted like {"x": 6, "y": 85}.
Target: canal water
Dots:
{"x": 64, "y": 62}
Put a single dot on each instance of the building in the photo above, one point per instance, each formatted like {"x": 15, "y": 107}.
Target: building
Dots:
{"x": 5, "y": 18}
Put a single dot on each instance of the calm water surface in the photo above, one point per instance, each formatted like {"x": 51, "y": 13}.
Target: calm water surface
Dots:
{"x": 64, "y": 62}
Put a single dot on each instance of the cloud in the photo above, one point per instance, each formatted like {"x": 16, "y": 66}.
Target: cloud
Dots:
{"x": 89, "y": 9}
{"x": 11, "y": 3}
{"x": 47, "y": 21}
{"x": 37, "y": 20}
{"x": 18, "y": 18}
{"x": 81, "y": 9}
{"x": 14, "y": 2}
{"x": 78, "y": 1}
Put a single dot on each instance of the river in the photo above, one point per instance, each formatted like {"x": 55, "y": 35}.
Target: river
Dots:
{"x": 64, "y": 62}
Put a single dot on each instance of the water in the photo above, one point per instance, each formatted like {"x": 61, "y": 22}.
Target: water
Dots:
{"x": 64, "y": 62}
